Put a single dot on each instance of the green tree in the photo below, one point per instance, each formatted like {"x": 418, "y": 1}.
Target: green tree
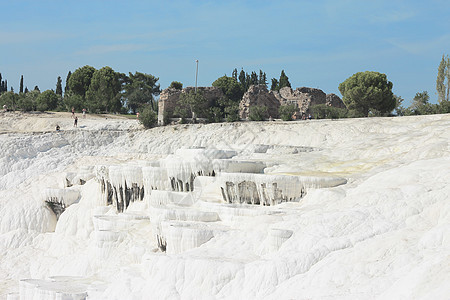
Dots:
{"x": 421, "y": 106}
{"x": 243, "y": 80}
{"x": 253, "y": 79}
{"x": 262, "y": 78}
{"x": 28, "y": 101}
{"x": 140, "y": 89}
{"x": 231, "y": 113}
{"x": 366, "y": 91}
{"x": 194, "y": 102}
{"x": 443, "y": 79}
{"x": 275, "y": 85}
{"x": 21, "y": 85}
{"x": 287, "y": 111}
{"x": 258, "y": 113}
{"x": 284, "y": 81}
{"x": 80, "y": 80}
{"x": 230, "y": 88}
{"x": 323, "y": 111}
{"x": 9, "y": 99}
{"x": 233, "y": 74}
{"x": 103, "y": 92}
{"x": 444, "y": 107}
{"x": 47, "y": 100}
{"x": 66, "y": 88}
{"x": 399, "y": 109}
{"x": 176, "y": 85}
{"x": 75, "y": 101}
{"x": 147, "y": 116}
{"x": 58, "y": 90}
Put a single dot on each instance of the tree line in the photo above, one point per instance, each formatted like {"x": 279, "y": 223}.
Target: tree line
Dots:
{"x": 98, "y": 91}
{"x": 106, "y": 91}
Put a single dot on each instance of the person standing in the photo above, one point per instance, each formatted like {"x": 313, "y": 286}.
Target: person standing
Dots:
{"x": 84, "y": 113}
{"x": 75, "y": 123}
{"x": 73, "y": 112}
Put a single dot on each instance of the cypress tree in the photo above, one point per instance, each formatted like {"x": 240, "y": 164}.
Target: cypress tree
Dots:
{"x": 58, "y": 90}
{"x": 234, "y": 74}
{"x": 275, "y": 86}
{"x": 66, "y": 89}
{"x": 253, "y": 78}
{"x": 242, "y": 79}
{"x": 26, "y": 90}
{"x": 262, "y": 78}
{"x": 442, "y": 87}
{"x": 21, "y": 85}
{"x": 284, "y": 80}
{"x": 36, "y": 88}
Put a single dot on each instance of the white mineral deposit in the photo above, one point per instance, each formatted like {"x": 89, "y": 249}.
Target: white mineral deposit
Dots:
{"x": 320, "y": 209}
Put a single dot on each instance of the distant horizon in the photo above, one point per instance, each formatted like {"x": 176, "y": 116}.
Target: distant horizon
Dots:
{"x": 318, "y": 44}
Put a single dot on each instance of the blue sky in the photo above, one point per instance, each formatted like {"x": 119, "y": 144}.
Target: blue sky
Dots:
{"x": 317, "y": 43}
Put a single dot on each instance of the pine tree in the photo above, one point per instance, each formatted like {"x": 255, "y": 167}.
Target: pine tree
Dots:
{"x": 21, "y": 85}
{"x": 284, "y": 81}
{"x": 36, "y": 88}
{"x": 58, "y": 90}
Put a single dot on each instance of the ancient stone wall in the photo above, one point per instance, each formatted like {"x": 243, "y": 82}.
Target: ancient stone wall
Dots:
{"x": 335, "y": 101}
{"x": 258, "y": 95}
{"x": 169, "y": 98}
{"x": 303, "y": 98}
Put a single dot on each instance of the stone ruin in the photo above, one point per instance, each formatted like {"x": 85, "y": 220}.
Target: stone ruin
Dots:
{"x": 169, "y": 97}
{"x": 302, "y": 98}
{"x": 335, "y": 101}
{"x": 257, "y": 95}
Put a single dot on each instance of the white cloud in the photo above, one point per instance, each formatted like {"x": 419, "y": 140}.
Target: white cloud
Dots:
{"x": 393, "y": 17}
{"x": 102, "y": 49}
{"x": 421, "y": 46}
{"x": 9, "y": 38}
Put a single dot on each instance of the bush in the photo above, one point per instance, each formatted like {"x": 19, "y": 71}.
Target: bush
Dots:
{"x": 232, "y": 113}
{"x": 176, "y": 85}
{"x": 286, "y": 112}
{"x": 26, "y": 103}
{"x": 258, "y": 113}
{"x": 323, "y": 111}
{"x": 47, "y": 100}
{"x": 444, "y": 107}
{"x": 9, "y": 99}
{"x": 148, "y": 117}
{"x": 215, "y": 115}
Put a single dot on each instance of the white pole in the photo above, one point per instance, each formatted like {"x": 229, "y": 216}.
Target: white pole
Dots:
{"x": 196, "y": 74}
